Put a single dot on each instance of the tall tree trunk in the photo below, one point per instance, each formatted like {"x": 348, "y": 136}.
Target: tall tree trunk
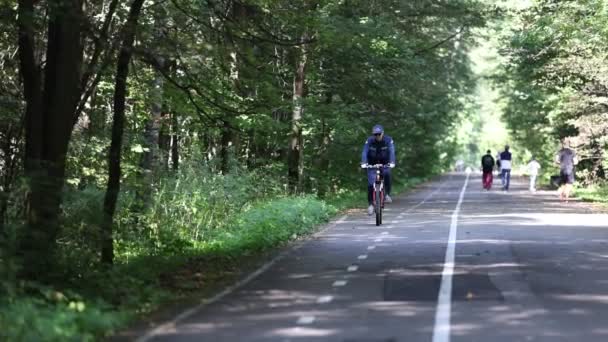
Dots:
{"x": 324, "y": 181}
{"x": 120, "y": 92}
{"x": 174, "y": 142}
{"x": 296, "y": 148}
{"x": 49, "y": 119}
{"x": 226, "y": 144}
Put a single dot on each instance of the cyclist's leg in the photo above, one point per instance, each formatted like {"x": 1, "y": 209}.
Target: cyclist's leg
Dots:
{"x": 371, "y": 177}
{"x": 387, "y": 181}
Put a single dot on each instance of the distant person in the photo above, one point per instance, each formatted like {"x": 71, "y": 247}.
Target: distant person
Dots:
{"x": 459, "y": 165}
{"x": 498, "y": 162}
{"x": 566, "y": 158}
{"x": 487, "y": 167}
{"x": 533, "y": 167}
{"x": 505, "y": 168}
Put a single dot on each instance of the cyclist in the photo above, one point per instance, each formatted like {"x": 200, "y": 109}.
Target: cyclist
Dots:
{"x": 378, "y": 149}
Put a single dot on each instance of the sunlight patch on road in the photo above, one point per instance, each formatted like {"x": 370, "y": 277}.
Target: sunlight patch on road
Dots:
{"x": 587, "y": 298}
{"x": 303, "y": 332}
{"x": 539, "y": 219}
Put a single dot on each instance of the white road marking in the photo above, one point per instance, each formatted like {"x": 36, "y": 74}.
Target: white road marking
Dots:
{"x": 339, "y": 283}
{"x": 324, "y": 299}
{"x": 306, "y": 320}
{"x": 362, "y": 257}
{"x": 371, "y": 248}
{"x": 353, "y": 268}
{"x": 384, "y": 233}
{"x": 441, "y": 332}
{"x": 378, "y": 240}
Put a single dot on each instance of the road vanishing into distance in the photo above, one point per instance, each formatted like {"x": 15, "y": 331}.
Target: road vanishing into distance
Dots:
{"x": 452, "y": 262}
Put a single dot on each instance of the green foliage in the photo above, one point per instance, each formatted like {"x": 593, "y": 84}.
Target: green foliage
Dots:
{"x": 594, "y": 193}
{"x": 54, "y": 317}
{"x": 189, "y": 206}
{"x": 554, "y": 80}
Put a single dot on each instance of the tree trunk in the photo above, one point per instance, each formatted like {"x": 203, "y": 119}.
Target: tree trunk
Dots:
{"x": 120, "y": 90}
{"x": 296, "y": 148}
{"x": 150, "y": 160}
{"x": 226, "y": 144}
{"x": 174, "y": 142}
{"x": 49, "y": 119}
{"x": 324, "y": 181}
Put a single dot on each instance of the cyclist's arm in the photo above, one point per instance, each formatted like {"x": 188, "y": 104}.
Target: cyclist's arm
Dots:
{"x": 364, "y": 154}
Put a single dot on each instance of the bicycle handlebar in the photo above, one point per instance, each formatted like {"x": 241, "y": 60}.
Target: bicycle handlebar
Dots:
{"x": 377, "y": 166}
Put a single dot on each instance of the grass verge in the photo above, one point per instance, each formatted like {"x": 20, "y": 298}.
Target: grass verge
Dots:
{"x": 100, "y": 302}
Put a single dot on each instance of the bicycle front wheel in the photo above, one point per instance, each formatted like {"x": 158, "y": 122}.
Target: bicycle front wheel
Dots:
{"x": 378, "y": 207}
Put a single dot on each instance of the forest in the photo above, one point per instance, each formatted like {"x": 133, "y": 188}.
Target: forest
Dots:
{"x": 153, "y": 149}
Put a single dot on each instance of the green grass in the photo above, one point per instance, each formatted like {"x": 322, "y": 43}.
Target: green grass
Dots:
{"x": 93, "y": 302}
{"x": 595, "y": 193}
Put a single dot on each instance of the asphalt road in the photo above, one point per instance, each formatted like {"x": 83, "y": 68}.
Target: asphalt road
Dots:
{"x": 451, "y": 263}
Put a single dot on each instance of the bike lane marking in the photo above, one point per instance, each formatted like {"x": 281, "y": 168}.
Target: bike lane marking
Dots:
{"x": 304, "y": 320}
{"x": 325, "y": 299}
{"x": 441, "y": 331}
{"x": 340, "y": 283}
{"x": 150, "y": 334}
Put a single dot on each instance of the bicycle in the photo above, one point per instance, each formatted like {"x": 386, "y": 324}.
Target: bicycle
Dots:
{"x": 378, "y": 190}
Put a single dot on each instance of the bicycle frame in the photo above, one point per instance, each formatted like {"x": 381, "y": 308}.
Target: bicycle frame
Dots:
{"x": 378, "y": 188}
{"x": 378, "y": 193}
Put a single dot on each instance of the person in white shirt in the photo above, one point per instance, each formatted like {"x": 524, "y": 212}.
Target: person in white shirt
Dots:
{"x": 533, "y": 167}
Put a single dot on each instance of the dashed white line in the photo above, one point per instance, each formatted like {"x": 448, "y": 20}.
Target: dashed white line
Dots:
{"x": 306, "y": 320}
{"x": 371, "y": 248}
{"x": 441, "y": 332}
{"x": 378, "y": 240}
{"x": 167, "y": 326}
{"x": 325, "y": 299}
{"x": 352, "y": 268}
{"x": 339, "y": 283}
{"x": 384, "y": 233}
{"x": 362, "y": 257}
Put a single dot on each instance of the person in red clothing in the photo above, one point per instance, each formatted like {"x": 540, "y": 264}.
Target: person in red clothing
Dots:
{"x": 487, "y": 166}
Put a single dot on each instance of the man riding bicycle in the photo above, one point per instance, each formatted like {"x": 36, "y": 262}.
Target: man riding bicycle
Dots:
{"x": 378, "y": 149}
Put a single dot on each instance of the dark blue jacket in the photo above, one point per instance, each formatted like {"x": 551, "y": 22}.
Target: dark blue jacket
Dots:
{"x": 378, "y": 152}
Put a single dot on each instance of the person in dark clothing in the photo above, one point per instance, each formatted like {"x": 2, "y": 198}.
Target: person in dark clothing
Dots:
{"x": 487, "y": 167}
{"x": 505, "y": 168}
{"x": 378, "y": 149}
{"x": 566, "y": 158}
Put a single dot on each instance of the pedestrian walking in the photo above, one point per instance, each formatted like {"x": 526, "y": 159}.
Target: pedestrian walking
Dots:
{"x": 533, "y": 167}
{"x": 566, "y": 158}
{"x": 487, "y": 167}
{"x": 505, "y": 168}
